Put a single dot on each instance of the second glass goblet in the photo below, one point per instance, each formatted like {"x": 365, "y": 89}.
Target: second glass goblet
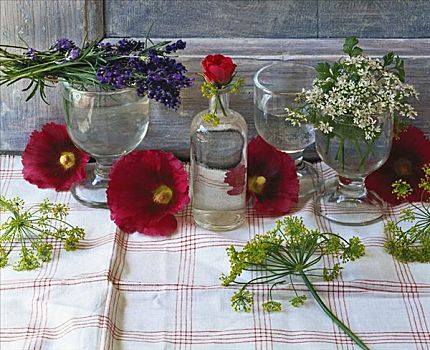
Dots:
{"x": 276, "y": 87}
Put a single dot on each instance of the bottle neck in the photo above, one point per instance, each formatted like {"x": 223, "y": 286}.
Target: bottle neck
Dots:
{"x": 219, "y": 104}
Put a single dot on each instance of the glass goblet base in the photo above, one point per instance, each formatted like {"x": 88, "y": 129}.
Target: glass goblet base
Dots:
{"x": 219, "y": 220}
{"x": 350, "y": 204}
{"x": 91, "y": 191}
{"x": 309, "y": 180}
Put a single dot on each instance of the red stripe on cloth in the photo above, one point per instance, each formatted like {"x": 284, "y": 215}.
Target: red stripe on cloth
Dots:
{"x": 410, "y": 303}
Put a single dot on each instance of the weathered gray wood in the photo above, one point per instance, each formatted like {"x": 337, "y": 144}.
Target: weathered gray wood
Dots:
{"x": 269, "y": 18}
{"x": 374, "y": 18}
{"x": 169, "y": 130}
{"x": 39, "y": 24}
{"x": 212, "y": 18}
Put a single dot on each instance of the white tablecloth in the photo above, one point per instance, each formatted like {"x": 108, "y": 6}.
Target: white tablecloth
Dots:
{"x": 120, "y": 291}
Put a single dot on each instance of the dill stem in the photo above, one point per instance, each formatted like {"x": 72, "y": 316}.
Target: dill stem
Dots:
{"x": 329, "y": 313}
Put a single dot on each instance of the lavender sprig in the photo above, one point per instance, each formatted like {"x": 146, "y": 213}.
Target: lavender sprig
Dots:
{"x": 107, "y": 66}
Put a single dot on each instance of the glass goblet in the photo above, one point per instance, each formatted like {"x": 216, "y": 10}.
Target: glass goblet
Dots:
{"x": 106, "y": 125}
{"x": 353, "y": 157}
{"x": 276, "y": 87}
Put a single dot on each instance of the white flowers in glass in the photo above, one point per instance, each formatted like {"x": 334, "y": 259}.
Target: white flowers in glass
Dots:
{"x": 353, "y": 91}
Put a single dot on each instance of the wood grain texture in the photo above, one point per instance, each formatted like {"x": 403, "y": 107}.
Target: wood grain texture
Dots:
{"x": 269, "y": 18}
{"x": 39, "y": 23}
{"x": 374, "y": 18}
{"x": 170, "y": 130}
{"x": 212, "y": 18}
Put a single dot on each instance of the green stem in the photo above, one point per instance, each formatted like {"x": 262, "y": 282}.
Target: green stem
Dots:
{"x": 368, "y": 153}
{"x": 340, "y": 153}
{"x": 220, "y": 104}
{"x": 328, "y": 312}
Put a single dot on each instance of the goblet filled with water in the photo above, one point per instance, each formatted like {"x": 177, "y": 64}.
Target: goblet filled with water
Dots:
{"x": 275, "y": 88}
{"x": 106, "y": 125}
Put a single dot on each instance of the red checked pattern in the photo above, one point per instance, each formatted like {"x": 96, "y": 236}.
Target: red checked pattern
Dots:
{"x": 122, "y": 291}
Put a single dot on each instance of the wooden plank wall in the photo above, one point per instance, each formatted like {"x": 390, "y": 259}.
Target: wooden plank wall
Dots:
{"x": 39, "y": 22}
{"x": 213, "y": 18}
{"x": 269, "y": 18}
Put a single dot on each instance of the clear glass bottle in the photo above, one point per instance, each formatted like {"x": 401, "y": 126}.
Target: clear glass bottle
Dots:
{"x": 218, "y": 166}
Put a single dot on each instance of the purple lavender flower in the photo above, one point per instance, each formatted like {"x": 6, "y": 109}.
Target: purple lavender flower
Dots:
{"x": 117, "y": 76}
{"x": 106, "y": 47}
{"x": 126, "y": 46}
{"x": 179, "y": 45}
{"x": 63, "y": 45}
{"x": 165, "y": 80}
{"x": 73, "y": 54}
{"x": 159, "y": 77}
{"x": 31, "y": 54}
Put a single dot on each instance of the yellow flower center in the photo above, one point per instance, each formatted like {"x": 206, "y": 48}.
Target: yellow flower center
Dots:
{"x": 67, "y": 160}
{"x": 162, "y": 195}
{"x": 256, "y": 184}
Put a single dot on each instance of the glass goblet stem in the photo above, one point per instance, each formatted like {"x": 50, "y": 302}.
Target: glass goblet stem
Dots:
{"x": 351, "y": 188}
{"x": 309, "y": 180}
{"x": 102, "y": 169}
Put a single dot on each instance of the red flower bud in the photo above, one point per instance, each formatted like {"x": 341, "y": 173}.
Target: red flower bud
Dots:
{"x": 218, "y": 69}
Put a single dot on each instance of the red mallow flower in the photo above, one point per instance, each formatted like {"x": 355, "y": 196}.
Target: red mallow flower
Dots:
{"x": 51, "y": 160}
{"x": 236, "y": 178}
{"x": 408, "y": 155}
{"x": 146, "y": 189}
{"x": 218, "y": 69}
{"x": 272, "y": 179}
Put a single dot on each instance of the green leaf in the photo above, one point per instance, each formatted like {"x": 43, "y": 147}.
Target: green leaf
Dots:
{"x": 350, "y": 46}
{"x": 388, "y": 59}
{"x": 33, "y": 92}
{"x": 323, "y": 70}
{"x": 400, "y": 68}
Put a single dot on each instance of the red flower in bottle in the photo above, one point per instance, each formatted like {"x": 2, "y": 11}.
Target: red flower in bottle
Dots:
{"x": 272, "y": 179}
{"x": 51, "y": 160}
{"x": 218, "y": 69}
{"x": 146, "y": 189}
{"x": 409, "y": 153}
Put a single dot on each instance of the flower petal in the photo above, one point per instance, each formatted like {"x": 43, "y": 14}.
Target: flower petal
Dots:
{"x": 281, "y": 188}
{"x": 133, "y": 180}
{"x": 41, "y": 159}
{"x": 411, "y": 148}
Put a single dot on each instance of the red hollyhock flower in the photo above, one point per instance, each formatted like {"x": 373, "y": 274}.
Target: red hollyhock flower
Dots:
{"x": 218, "y": 69}
{"x": 146, "y": 189}
{"x": 272, "y": 179}
{"x": 51, "y": 160}
{"x": 236, "y": 178}
{"x": 408, "y": 154}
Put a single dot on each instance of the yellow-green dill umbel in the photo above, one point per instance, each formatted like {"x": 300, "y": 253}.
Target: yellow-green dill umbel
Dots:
{"x": 32, "y": 228}
{"x": 284, "y": 254}
{"x": 409, "y": 237}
